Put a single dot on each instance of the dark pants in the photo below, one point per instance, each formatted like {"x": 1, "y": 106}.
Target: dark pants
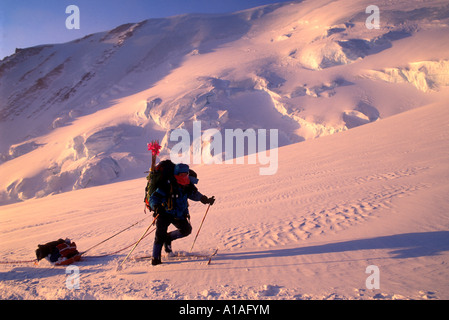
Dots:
{"x": 162, "y": 223}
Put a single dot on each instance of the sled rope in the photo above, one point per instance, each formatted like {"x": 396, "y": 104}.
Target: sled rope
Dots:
{"x": 97, "y": 256}
{"x": 118, "y": 251}
{"x": 35, "y": 261}
{"x": 19, "y": 262}
{"x": 94, "y": 246}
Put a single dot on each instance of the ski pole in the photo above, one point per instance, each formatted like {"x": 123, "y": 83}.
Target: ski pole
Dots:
{"x": 143, "y": 235}
{"x": 199, "y": 229}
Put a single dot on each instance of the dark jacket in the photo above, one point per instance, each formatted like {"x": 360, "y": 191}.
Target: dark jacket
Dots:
{"x": 180, "y": 196}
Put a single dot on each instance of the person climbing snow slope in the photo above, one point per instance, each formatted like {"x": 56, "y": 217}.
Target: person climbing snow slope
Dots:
{"x": 172, "y": 208}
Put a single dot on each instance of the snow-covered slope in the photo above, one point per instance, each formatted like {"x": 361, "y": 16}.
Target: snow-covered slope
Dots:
{"x": 79, "y": 114}
{"x": 373, "y": 195}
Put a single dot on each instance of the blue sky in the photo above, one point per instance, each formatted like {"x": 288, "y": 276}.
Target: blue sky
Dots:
{"x": 26, "y": 23}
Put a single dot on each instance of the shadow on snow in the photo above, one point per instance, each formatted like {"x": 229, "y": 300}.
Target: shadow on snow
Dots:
{"x": 403, "y": 246}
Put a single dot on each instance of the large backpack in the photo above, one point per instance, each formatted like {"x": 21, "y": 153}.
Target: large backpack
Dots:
{"x": 161, "y": 178}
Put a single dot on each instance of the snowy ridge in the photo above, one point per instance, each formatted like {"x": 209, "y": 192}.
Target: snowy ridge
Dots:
{"x": 83, "y": 111}
{"x": 424, "y": 75}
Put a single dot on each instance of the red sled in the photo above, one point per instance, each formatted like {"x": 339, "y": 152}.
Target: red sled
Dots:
{"x": 68, "y": 261}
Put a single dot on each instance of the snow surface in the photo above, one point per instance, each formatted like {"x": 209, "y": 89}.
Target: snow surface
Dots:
{"x": 76, "y": 117}
{"x": 374, "y": 195}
